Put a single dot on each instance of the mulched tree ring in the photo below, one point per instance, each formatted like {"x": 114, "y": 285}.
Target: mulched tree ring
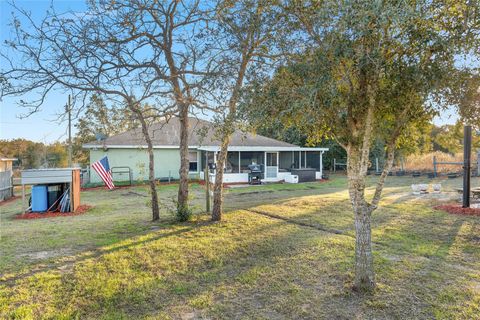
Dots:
{"x": 457, "y": 209}
{"x": 39, "y": 215}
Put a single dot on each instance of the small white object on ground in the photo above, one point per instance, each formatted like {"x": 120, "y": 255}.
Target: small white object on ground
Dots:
{"x": 291, "y": 178}
{"x": 415, "y": 189}
{"x": 423, "y": 188}
{"x": 437, "y": 188}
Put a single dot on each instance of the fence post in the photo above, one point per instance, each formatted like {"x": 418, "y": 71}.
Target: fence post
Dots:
{"x": 11, "y": 184}
{"x": 376, "y": 165}
{"x": 467, "y": 149}
{"x": 435, "y": 166}
{"x": 334, "y": 165}
{"x": 23, "y": 198}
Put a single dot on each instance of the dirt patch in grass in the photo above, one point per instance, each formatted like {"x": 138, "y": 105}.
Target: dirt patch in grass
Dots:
{"x": 38, "y": 215}
{"x": 458, "y": 209}
{"x": 40, "y": 255}
{"x": 252, "y": 193}
{"x": 105, "y": 188}
{"x": 133, "y": 194}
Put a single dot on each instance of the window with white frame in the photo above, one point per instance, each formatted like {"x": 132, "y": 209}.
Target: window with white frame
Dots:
{"x": 193, "y": 159}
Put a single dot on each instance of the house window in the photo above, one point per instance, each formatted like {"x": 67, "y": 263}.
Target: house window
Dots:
{"x": 193, "y": 159}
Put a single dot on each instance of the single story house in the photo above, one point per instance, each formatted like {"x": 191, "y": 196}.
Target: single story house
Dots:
{"x": 128, "y": 149}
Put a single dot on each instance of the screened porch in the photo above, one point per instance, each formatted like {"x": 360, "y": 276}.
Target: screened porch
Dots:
{"x": 275, "y": 164}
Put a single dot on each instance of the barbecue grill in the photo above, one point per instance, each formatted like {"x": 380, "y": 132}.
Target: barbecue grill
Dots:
{"x": 255, "y": 174}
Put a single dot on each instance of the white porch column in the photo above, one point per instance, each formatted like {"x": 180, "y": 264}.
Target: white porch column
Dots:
{"x": 278, "y": 162}
{"x": 265, "y": 164}
{"x": 321, "y": 164}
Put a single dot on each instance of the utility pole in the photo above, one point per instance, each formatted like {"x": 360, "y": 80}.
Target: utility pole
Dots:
{"x": 467, "y": 150}
{"x": 69, "y": 111}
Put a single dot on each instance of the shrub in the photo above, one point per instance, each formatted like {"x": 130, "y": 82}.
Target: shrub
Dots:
{"x": 183, "y": 213}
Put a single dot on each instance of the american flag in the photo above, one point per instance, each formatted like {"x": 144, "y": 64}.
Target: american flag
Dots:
{"x": 103, "y": 169}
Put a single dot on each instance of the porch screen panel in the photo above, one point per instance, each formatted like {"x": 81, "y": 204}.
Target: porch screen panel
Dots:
{"x": 286, "y": 160}
{"x": 272, "y": 159}
{"x": 210, "y": 160}
{"x": 247, "y": 158}
{"x": 232, "y": 165}
{"x": 313, "y": 159}
{"x": 296, "y": 159}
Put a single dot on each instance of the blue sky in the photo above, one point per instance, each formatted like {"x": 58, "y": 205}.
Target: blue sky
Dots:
{"x": 43, "y": 126}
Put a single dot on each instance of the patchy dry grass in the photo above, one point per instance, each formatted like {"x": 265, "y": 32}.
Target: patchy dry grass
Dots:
{"x": 112, "y": 263}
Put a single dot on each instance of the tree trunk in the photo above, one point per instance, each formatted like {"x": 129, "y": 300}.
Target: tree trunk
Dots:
{"x": 218, "y": 187}
{"x": 184, "y": 161}
{"x": 151, "y": 164}
{"x": 357, "y": 166}
{"x": 151, "y": 178}
{"x": 364, "y": 273}
{"x": 227, "y": 129}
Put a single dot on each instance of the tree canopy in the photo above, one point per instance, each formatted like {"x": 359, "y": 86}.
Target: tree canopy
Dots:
{"x": 369, "y": 70}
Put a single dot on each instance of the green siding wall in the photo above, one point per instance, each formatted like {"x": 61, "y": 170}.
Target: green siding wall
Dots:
{"x": 167, "y": 162}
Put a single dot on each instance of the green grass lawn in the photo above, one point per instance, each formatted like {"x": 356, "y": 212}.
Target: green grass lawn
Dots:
{"x": 113, "y": 263}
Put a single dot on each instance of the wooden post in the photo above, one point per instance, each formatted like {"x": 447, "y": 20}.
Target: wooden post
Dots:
{"x": 23, "y": 198}
{"x": 207, "y": 185}
{"x": 11, "y": 185}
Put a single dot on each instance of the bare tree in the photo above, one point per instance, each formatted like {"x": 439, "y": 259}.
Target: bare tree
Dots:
{"x": 247, "y": 32}
{"x": 134, "y": 51}
{"x": 184, "y": 38}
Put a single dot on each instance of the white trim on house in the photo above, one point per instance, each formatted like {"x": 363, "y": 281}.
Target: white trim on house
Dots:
{"x": 116, "y": 146}
{"x": 207, "y": 148}
{"x": 259, "y": 148}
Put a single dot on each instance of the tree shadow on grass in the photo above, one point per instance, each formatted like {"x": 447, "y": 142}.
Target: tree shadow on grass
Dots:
{"x": 247, "y": 266}
{"x": 233, "y": 273}
{"x": 415, "y": 268}
{"x": 97, "y": 252}
{"x": 268, "y": 244}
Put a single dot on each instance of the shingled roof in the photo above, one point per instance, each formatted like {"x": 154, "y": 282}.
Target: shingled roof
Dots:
{"x": 201, "y": 134}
